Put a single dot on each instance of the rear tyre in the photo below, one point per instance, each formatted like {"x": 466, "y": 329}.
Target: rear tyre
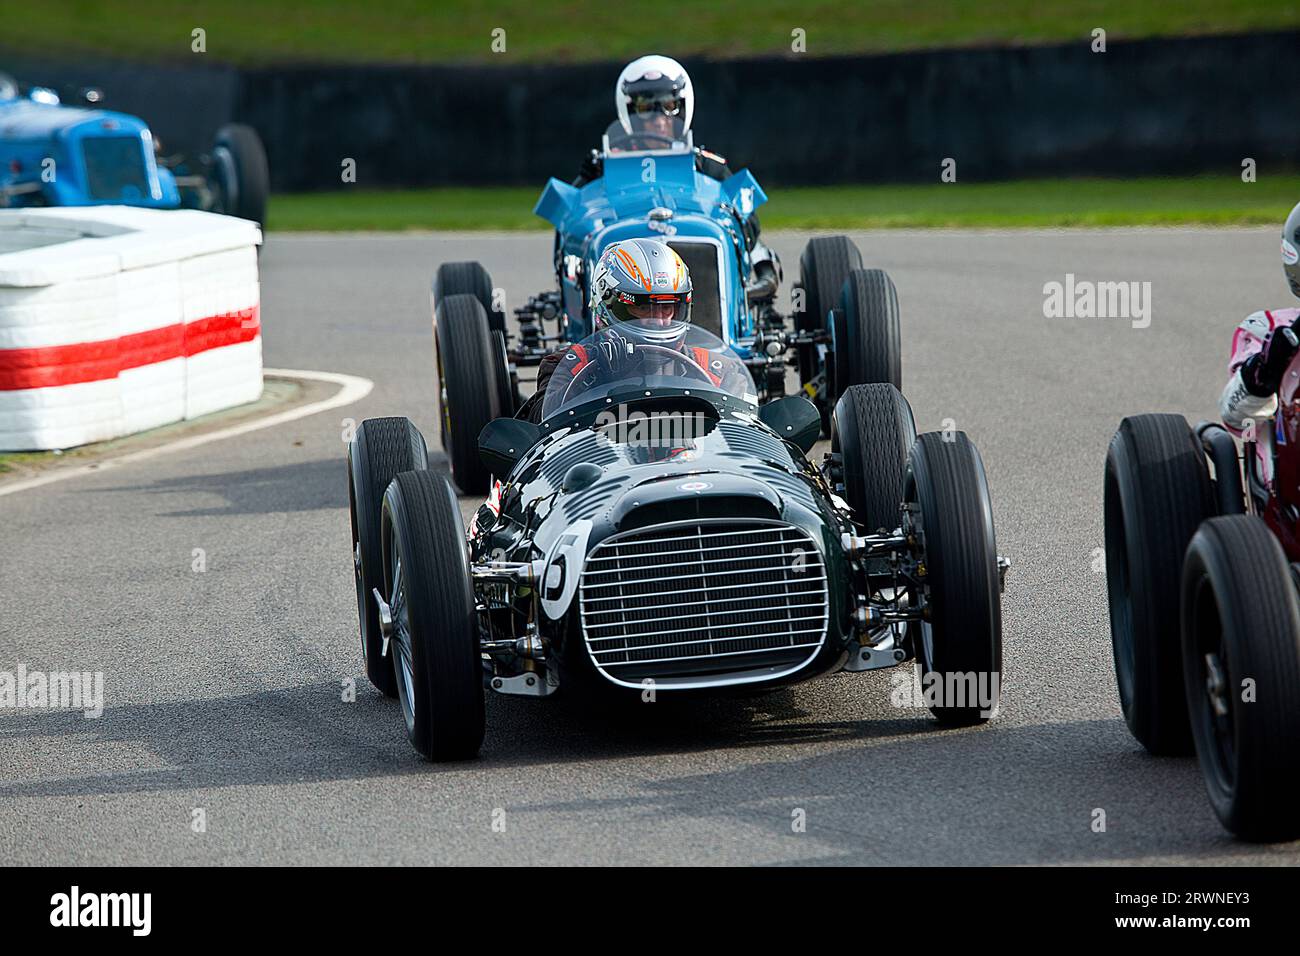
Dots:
{"x": 240, "y": 174}
{"x": 1241, "y": 667}
{"x": 468, "y": 278}
{"x": 435, "y": 626}
{"x": 871, "y": 340}
{"x": 824, "y": 265}
{"x": 959, "y": 646}
{"x": 872, "y": 431}
{"x": 469, "y": 390}
{"x": 1157, "y": 493}
{"x": 381, "y": 448}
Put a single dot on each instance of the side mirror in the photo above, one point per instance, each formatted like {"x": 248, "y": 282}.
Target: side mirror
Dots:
{"x": 795, "y": 419}
{"x": 503, "y": 441}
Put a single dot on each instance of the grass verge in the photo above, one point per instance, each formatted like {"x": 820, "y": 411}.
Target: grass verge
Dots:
{"x": 1035, "y": 203}
{"x": 556, "y": 31}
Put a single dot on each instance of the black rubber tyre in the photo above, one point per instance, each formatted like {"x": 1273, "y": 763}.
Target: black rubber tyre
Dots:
{"x": 468, "y": 278}
{"x": 824, "y": 265}
{"x": 240, "y": 172}
{"x": 1239, "y": 609}
{"x": 872, "y": 431}
{"x": 381, "y": 448}
{"x": 469, "y": 394}
{"x": 1157, "y": 494}
{"x": 959, "y": 647}
{"x": 872, "y": 349}
{"x": 436, "y": 637}
{"x": 507, "y": 394}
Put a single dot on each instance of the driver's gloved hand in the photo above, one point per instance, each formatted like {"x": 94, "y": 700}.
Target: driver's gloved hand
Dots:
{"x": 613, "y": 354}
{"x": 1262, "y": 372}
{"x": 593, "y": 167}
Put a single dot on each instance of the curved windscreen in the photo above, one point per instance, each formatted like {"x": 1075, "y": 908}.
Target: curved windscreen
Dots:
{"x": 651, "y": 132}
{"x": 642, "y": 356}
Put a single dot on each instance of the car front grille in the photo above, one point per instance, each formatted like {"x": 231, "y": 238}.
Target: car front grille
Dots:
{"x": 704, "y": 602}
{"x": 701, "y": 260}
{"x": 115, "y": 168}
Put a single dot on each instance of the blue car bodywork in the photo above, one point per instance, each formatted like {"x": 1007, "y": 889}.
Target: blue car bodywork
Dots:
{"x": 55, "y": 155}
{"x": 659, "y": 194}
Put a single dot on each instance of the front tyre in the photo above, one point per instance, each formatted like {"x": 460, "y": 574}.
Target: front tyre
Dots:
{"x": 872, "y": 431}
{"x": 1241, "y": 669}
{"x": 468, "y": 278}
{"x": 870, "y": 349}
{"x": 381, "y": 448}
{"x": 240, "y": 174}
{"x": 1157, "y": 494}
{"x": 469, "y": 392}
{"x": 435, "y": 625}
{"x": 959, "y": 644}
{"x": 824, "y": 265}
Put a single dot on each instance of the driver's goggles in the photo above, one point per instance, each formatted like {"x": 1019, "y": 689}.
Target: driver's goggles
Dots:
{"x": 671, "y": 106}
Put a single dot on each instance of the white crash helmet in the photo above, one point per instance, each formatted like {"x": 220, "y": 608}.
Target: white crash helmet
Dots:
{"x": 1291, "y": 250}
{"x": 654, "y": 82}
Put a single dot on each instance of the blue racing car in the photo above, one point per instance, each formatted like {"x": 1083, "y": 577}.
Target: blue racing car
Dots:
{"x": 52, "y": 154}
{"x": 843, "y": 330}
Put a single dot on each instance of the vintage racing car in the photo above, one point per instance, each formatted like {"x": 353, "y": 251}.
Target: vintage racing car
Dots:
{"x": 845, "y": 327}
{"x": 57, "y": 155}
{"x": 661, "y": 532}
{"x": 1202, "y": 570}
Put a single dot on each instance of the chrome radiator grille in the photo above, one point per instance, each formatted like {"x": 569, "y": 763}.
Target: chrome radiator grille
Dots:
{"x": 696, "y": 601}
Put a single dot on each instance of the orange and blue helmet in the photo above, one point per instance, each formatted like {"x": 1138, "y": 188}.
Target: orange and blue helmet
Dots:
{"x": 642, "y": 281}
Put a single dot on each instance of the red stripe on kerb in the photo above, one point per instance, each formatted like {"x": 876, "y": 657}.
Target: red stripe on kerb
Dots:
{"x": 97, "y": 361}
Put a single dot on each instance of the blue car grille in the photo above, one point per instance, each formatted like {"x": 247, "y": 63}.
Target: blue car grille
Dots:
{"x": 701, "y": 260}
{"x": 115, "y": 168}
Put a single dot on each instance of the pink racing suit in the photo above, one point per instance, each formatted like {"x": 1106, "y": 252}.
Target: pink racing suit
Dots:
{"x": 1240, "y": 409}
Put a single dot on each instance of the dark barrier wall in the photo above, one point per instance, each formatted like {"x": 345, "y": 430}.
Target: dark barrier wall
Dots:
{"x": 1150, "y": 106}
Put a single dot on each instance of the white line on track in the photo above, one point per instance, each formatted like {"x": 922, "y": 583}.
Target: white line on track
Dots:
{"x": 354, "y": 388}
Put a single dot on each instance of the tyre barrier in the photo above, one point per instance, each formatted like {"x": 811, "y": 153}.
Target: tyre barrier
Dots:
{"x": 114, "y": 320}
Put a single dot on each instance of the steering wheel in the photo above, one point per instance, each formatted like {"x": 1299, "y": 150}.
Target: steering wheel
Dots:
{"x": 639, "y": 139}
{"x": 640, "y": 134}
{"x": 692, "y": 369}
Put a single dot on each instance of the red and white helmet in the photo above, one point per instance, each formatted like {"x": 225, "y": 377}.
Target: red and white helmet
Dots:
{"x": 654, "y": 84}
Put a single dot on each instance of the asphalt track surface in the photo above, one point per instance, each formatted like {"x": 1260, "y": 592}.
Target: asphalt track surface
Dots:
{"x": 224, "y": 688}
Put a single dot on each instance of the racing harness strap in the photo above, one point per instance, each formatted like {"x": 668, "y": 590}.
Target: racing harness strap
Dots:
{"x": 579, "y": 354}
{"x": 701, "y": 357}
